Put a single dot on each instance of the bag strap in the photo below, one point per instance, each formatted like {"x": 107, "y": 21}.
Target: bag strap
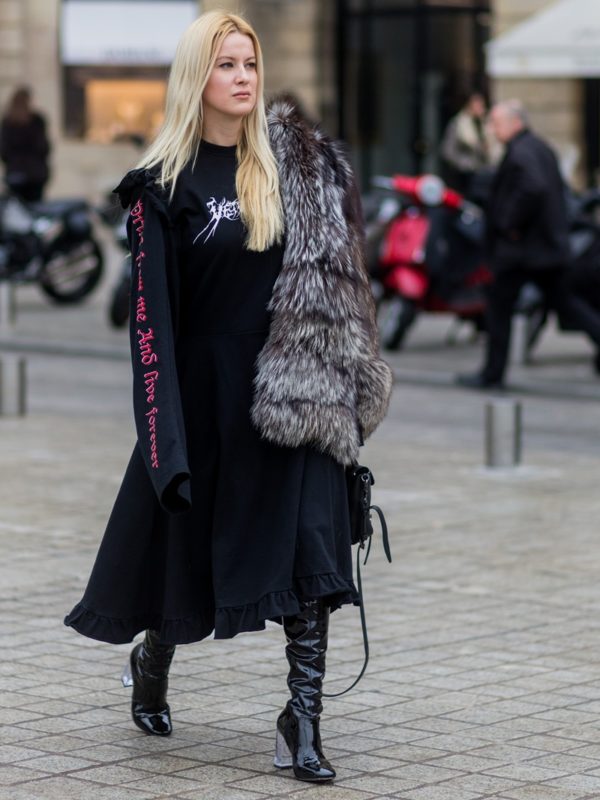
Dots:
{"x": 363, "y": 622}
{"x": 384, "y": 535}
{"x": 361, "y": 601}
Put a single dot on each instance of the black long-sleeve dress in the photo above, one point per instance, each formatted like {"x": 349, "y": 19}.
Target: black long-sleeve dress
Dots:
{"x": 262, "y": 527}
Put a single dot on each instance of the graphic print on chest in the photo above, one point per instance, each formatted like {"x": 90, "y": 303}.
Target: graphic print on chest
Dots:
{"x": 225, "y": 209}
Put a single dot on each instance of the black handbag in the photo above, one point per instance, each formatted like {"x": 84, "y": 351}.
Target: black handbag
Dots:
{"x": 359, "y": 480}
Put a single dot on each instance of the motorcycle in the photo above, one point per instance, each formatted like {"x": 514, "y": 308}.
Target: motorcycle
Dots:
{"x": 583, "y": 277}
{"x": 430, "y": 256}
{"x": 50, "y": 243}
{"x": 426, "y": 253}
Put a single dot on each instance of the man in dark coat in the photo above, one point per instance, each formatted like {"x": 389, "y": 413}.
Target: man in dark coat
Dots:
{"x": 527, "y": 237}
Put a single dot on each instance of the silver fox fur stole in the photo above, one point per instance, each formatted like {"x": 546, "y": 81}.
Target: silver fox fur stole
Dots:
{"x": 320, "y": 380}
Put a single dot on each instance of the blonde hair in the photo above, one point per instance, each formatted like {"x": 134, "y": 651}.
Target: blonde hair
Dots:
{"x": 257, "y": 179}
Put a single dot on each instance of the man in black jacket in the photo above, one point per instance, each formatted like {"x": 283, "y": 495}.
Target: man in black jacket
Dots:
{"x": 527, "y": 237}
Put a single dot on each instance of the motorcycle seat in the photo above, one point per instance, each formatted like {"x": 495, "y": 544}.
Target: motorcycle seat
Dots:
{"x": 58, "y": 208}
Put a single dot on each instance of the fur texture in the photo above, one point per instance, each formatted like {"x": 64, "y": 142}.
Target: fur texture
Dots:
{"x": 320, "y": 380}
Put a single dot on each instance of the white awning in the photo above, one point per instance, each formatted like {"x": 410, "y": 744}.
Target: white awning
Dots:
{"x": 123, "y": 32}
{"x": 561, "y": 42}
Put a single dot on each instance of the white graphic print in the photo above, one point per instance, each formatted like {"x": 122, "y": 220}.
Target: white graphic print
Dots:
{"x": 226, "y": 209}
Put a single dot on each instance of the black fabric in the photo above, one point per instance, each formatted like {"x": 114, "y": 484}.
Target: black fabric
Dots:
{"x": 526, "y": 214}
{"x": 502, "y": 296}
{"x": 156, "y": 391}
{"x": 259, "y": 528}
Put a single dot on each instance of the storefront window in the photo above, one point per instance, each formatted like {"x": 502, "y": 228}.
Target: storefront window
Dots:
{"x": 115, "y": 58}
{"x": 114, "y": 104}
{"x": 118, "y": 109}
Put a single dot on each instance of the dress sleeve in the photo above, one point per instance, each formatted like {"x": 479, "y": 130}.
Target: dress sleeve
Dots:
{"x": 156, "y": 395}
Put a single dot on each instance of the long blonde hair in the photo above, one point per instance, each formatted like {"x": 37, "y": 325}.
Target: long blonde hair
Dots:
{"x": 257, "y": 179}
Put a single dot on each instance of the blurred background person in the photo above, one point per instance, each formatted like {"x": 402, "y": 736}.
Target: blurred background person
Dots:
{"x": 528, "y": 239}
{"x": 468, "y": 147}
{"x": 24, "y": 147}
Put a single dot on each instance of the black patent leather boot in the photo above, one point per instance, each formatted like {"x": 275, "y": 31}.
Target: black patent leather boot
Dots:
{"x": 298, "y": 742}
{"x": 147, "y": 671}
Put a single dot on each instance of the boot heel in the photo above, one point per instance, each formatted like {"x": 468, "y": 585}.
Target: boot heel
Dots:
{"x": 126, "y": 676}
{"x": 283, "y": 757}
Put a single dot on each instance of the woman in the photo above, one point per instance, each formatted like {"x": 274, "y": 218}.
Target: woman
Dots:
{"x": 255, "y": 371}
{"x": 468, "y": 147}
{"x": 24, "y": 147}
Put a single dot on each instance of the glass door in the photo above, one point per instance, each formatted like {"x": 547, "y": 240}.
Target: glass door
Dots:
{"x": 405, "y": 69}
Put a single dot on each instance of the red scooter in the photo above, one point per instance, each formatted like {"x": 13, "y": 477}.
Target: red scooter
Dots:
{"x": 430, "y": 257}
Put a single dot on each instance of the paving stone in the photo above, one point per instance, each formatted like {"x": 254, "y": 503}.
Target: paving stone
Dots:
{"x": 569, "y": 763}
{"x": 223, "y": 793}
{"x": 379, "y": 784}
{"x": 550, "y": 744}
{"x": 113, "y": 774}
{"x": 419, "y": 774}
{"x": 526, "y": 771}
{"x": 442, "y": 791}
{"x": 331, "y": 793}
{"x": 14, "y": 774}
{"x": 483, "y": 679}
{"x": 543, "y": 792}
{"x": 9, "y": 754}
{"x": 281, "y": 782}
{"x": 590, "y": 784}
{"x": 57, "y": 763}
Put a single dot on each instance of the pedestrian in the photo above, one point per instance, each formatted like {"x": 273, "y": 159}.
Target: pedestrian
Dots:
{"x": 528, "y": 240}
{"x": 256, "y": 375}
{"x": 467, "y": 146}
{"x": 24, "y": 147}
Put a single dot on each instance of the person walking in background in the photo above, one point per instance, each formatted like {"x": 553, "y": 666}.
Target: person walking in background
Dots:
{"x": 24, "y": 147}
{"x": 528, "y": 229}
{"x": 467, "y": 146}
{"x": 256, "y": 375}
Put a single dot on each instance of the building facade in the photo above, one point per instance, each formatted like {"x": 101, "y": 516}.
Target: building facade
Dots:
{"x": 384, "y": 74}
{"x": 558, "y": 106}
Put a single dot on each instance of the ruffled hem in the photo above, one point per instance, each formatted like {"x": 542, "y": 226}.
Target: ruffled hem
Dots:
{"x": 115, "y": 630}
{"x": 226, "y": 622}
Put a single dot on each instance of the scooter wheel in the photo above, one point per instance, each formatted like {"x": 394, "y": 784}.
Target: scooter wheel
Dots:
{"x": 72, "y": 273}
{"x": 118, "y": 312}
{"x": 399, "y": 321}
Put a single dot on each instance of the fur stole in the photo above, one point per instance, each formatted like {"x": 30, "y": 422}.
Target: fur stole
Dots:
{"x": 320, "y": 380}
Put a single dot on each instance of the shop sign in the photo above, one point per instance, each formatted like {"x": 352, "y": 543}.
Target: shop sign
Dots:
{"x": 123, "y": 31}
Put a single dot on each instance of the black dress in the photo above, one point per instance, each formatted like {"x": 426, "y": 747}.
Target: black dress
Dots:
{"x": 268, "y": 525}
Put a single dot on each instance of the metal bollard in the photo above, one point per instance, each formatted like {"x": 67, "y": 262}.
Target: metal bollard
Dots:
{"x": 503, "y": 422}
{"x": 519, "y": 331}
{"x": 13, "y": 385}
{"x": 7, "y": 307}
{"x": 13, "y": 376}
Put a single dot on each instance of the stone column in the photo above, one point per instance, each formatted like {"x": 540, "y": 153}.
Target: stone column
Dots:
{"x": 41, "y": 61}
{"x": 11, "y": 47}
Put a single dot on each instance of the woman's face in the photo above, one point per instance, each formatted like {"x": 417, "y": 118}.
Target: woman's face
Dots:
{"x": 231, "y": 87}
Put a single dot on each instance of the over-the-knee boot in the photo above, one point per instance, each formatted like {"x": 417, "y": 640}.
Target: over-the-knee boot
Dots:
{"x": 298, "y": 743}
{"x": 147, "y": 671}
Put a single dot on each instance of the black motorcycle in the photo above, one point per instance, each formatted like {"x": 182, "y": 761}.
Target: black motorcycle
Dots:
{"x": 50, "y": 243}
{"x": 583, "y": 276}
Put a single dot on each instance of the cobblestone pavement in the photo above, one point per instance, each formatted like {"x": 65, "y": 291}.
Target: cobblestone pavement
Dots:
{"x": 485, "y": 672}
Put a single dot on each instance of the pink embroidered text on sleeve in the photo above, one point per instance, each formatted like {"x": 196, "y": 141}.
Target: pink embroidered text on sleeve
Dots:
{"x": 147, "y": 354}
{"x": 151, "y": 417}
{"x": 140, "y": 312}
